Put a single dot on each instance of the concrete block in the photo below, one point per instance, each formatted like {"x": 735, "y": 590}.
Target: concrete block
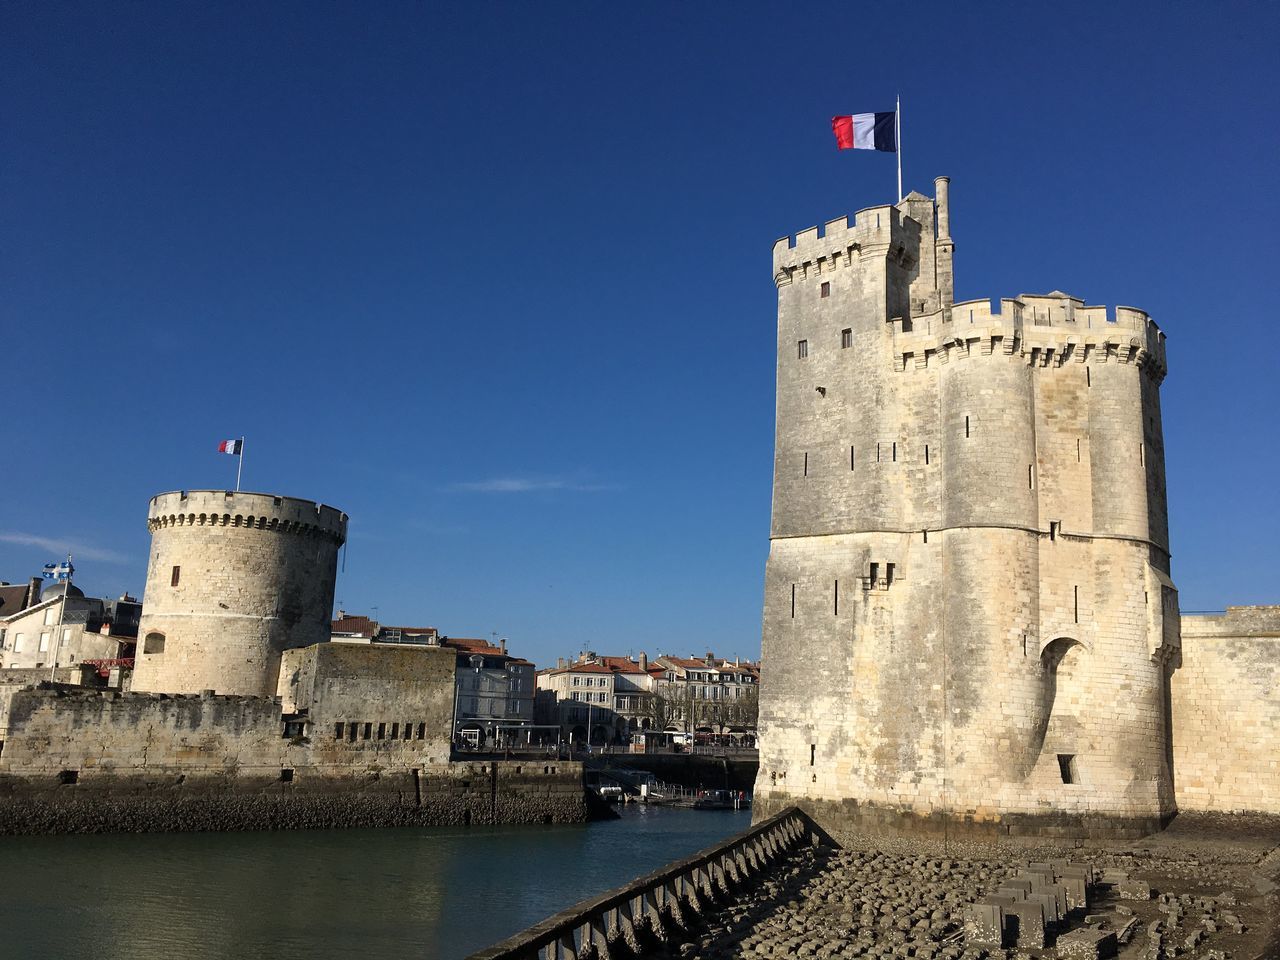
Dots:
{"x": 1133, "y": 890}
{"x": 1087, "y": 944}
{"x": 1024, "y": 925}
{"x": 983, "y": 925}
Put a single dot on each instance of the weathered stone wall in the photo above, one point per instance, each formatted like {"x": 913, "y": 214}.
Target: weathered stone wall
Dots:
{"x": 967, "y": 601}
{"x": 358, "y": 698}
{"x": 1226, "y": 711}
{"x": 82, "y": 761}
{"x": 255, "y": 576}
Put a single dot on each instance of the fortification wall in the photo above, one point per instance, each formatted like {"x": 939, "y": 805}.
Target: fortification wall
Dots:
{"x": 79, "y": 761}
{"x": 366, "y": 697}
{"x": 1226, "y": 711}
{"x": 233, "y": 580}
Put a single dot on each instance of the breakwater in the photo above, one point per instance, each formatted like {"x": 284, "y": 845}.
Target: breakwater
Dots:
{"x": 646, "y": 912}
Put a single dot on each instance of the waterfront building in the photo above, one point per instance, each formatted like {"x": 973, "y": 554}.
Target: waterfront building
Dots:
{"x": 63, "y": 631}
{"x": 612, "y": 699}
{"x": 494, "y": 696}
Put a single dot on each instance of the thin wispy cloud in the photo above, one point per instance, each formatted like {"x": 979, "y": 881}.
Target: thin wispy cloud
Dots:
{"x": 60, "y": 548}
{"x": 530, "y": 485}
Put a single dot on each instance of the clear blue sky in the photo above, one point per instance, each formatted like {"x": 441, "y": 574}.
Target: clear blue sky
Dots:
{"x": 495, "y": 278}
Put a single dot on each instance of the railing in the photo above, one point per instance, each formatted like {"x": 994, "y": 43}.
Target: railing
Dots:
{"x": 640, "y": 915}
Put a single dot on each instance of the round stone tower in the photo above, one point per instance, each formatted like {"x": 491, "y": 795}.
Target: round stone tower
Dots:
{"x": 233, "y": 579}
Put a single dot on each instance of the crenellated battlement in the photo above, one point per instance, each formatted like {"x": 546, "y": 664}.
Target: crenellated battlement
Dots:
{"x": 1043, "y": 330}
{"x": 875, "y": 231}
{"x": 250, "y": 511}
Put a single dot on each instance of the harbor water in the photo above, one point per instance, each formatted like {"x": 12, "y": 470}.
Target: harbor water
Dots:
{"x": 409, "y": 892}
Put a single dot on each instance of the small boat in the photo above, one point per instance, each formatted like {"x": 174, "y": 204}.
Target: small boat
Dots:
{"x": 721, "y": 800}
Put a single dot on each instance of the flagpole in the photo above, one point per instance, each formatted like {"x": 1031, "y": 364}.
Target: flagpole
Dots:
{"x": 62, "y": 615}
{"x": 240, "y": 461}
{"x": 897, "y": 136}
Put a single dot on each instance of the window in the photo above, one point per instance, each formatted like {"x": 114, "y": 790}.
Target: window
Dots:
{"x": 382, "y": 731}
{"x": 422, "y": 731}
{"x": 154, "y": 643}
{"x": 966, "y": 426}
{"x": 802, "y": 349}
{"x": 575, "y": 695}
{"x": 367, "y": 732}
{"x": 576, "y": 681}
{"x": 835, "y": 598}
{"x": 395, "y": 731}
{"x": 846, "y": 338}
{"x": 825, "y": 290}
{"x": 66, "y": 636}
{"x": 926, "y": 454}
{"x": 44, "y": 642}
{"x": 351, "y": 732}
{"x": 1054, "y": 527}
{"x": 1075, "y": 592}
{"x": 813, "y": 753}
{"x": 1067, "y": 767}
{"x": 286, "y": 775}
{"x": 173, "y": 577}
{"x": 793, "y": 603}
{"x": 806, "y": 464}
{"x": 48, "y": 617}
{"x": 337, "y": 731}
{"x": 851, "y": 460}
{"x": 294, "y": 728}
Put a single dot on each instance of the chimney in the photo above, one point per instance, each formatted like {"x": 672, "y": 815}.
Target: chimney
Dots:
{"x": 33, "y": 593}
{"x": 503, "y": 644}
{"x": 711, "y": 658}
{"x": 341, "y": 615}
{"x": 561, "y": 663}
{"x": 644, "y": 660}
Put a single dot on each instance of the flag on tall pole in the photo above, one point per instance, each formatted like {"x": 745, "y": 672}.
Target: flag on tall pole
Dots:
{"x": 236, "y": 449}
{"x": 59, "y": 572}
{"x": 871, "y": 131}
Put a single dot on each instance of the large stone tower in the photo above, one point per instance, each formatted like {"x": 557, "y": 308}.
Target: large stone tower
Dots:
{"x": 233, "y": 580}
{"x": 968, "y": 616}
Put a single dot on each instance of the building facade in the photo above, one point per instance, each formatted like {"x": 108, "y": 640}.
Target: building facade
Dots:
{"x": 64, "y": 628}
{"x": 233, "y": 580}
{"x": 969, "y": 620}
{"x": 609, "y": 700}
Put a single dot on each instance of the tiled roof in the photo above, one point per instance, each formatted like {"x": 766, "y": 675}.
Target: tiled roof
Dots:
{"x": 362, "y": 626}
{"x": 11, "y": 598}
{"x": 621, "y": 664}
{"x": 579, "y": 668}
{"x": 472, "y": 645}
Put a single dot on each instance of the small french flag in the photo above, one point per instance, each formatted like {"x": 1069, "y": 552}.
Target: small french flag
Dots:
{"x": 231, "y": 446}
{"x": 866, "y": 131}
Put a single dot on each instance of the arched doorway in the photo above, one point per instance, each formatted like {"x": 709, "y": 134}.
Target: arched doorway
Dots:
{"x": 1065, "y": 706}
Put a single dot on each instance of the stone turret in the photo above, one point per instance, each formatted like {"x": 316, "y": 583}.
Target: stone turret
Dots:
{"x": 969, "y": 618}
{"x": 234, "y": 579}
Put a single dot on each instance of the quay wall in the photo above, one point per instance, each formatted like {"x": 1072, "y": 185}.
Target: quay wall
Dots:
{"x": 1225, "y": 705}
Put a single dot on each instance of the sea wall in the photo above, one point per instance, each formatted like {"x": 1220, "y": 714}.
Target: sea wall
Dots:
{"x": 1225, "y": 705}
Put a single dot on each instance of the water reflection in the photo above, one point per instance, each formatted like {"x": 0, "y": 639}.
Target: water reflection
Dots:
{"x": 421, "y": 893}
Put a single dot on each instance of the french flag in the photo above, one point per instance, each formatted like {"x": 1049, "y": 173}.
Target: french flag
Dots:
{"x": 231, "y": 446}
{"x": 866, "y": 131}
